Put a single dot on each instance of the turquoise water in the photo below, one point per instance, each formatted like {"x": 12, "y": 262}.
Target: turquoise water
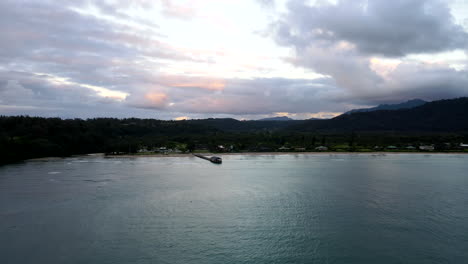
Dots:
{"x": 402, "y": 208}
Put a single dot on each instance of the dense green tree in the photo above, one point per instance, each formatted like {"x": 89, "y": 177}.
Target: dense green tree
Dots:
{"x": 443, "y": 124}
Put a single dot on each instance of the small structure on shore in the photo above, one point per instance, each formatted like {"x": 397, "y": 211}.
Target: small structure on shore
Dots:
{"x": 427, "y": 148}
{"x": 299, "y": 149}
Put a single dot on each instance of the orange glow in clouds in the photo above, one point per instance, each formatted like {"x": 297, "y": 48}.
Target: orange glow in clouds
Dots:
{"x": 156, "y": 99}
{"x": 213, "y": 85}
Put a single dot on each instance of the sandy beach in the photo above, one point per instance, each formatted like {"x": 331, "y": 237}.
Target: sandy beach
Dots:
{"x": 280, "y": 153}
{"x": 181, "y": 155}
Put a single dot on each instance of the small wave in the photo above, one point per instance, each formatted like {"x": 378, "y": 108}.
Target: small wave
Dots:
{"x": 97, "y": 181}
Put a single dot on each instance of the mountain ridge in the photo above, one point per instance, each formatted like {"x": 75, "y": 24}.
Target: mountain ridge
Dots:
{"x": 405, "y": 105}
{"x": 276, "y": 118}
{"x": 449, "y": 115}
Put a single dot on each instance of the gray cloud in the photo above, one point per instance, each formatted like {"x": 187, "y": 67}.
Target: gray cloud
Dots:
{"x": 72, "y": 42}
{"x": 350, "y": 70}
{"x": 266, "y": 96}
{"x": 12, "y": 92}
{"x": 426, "y": 81}
{"x": 382, "y": 27}
{"x": 37, "y": 94}
{"x": 339, "y": 40}
{"x": 53, "y": 57}
{"x": 28, "y": 93}
{"x": 43, "y": 41}
{"x": 23, "y": 88}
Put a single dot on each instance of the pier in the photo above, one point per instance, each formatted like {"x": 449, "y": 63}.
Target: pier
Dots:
{"x": 213, "y": 159}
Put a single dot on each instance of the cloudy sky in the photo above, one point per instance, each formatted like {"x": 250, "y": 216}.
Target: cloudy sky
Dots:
{"x": 174, "y": 59}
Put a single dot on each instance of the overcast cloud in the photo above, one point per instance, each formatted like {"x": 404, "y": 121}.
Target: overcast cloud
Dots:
{"x": 357, "y": 43}
{"x": 374, "y": 27}
{"x": 155, "y": 59}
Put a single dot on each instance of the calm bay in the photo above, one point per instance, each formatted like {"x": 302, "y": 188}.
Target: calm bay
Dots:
{"x": 317, "y": 208}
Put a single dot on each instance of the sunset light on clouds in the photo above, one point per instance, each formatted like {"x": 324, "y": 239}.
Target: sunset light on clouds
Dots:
{"x": 244, "y": 59}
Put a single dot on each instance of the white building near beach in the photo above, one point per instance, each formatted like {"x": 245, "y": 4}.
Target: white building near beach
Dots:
{"x": 429, "y": 148}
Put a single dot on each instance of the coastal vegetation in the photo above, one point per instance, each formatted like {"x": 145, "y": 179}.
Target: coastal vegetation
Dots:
{"x": 437, "y": 126}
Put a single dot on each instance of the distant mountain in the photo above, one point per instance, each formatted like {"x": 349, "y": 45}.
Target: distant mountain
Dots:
{"x": 285, "y": 118}
{"x": 437, "y": 116}
{"x": 233, "y": 125}
{"x": 277, "y": 118}
{"x": 406, "y": 105}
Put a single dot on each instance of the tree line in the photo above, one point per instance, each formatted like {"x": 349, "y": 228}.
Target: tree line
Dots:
{"x": 23, "y": 137}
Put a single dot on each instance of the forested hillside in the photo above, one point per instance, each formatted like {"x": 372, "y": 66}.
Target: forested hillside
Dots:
{"x": 436, "y": 123}
{"x": 438, "y": 116}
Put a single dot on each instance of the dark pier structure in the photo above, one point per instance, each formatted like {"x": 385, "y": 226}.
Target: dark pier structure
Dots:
{"x": 213, "y": 159}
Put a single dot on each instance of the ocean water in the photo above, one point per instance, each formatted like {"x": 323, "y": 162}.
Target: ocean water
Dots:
{"x": 399, "y": 208}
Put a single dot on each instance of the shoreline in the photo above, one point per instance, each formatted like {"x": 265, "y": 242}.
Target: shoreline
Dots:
{"x": 180, "y": 155}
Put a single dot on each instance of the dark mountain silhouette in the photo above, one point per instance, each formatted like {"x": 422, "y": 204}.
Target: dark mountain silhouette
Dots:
{"x": 438, "y": 116}
{"x": 406, "y": 105}
{"x": 277, "y": 118}
{"x": 234, "y": 125}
